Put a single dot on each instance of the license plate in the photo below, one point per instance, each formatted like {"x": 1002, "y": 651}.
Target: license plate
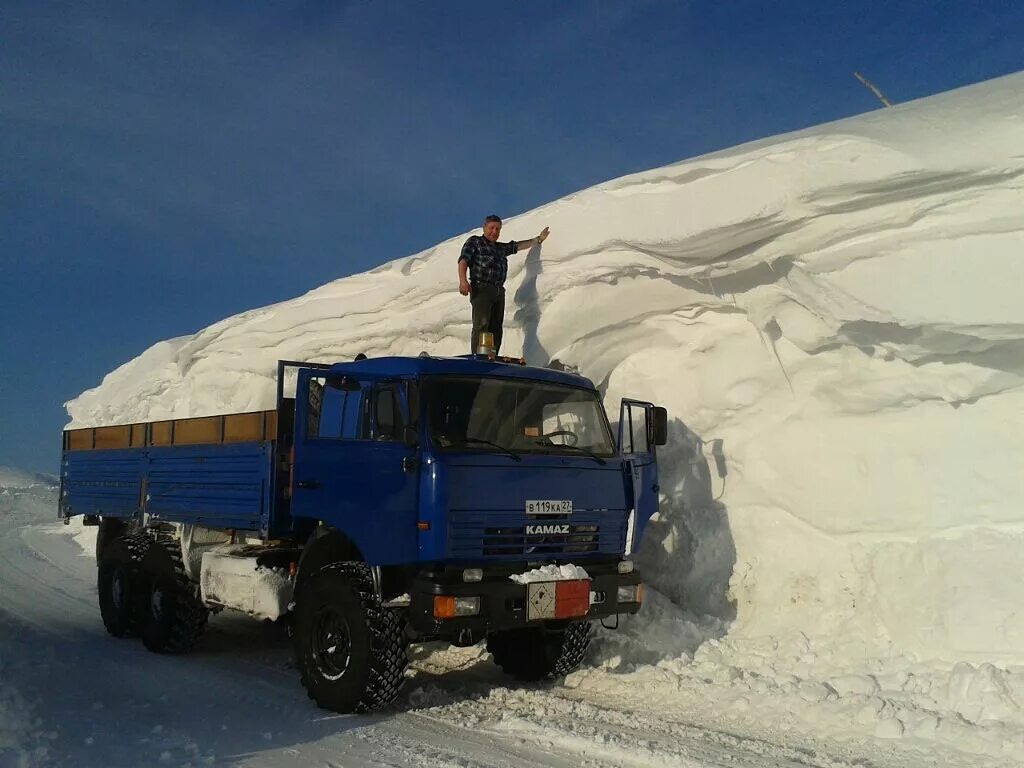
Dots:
{"x": 549, "y": 507}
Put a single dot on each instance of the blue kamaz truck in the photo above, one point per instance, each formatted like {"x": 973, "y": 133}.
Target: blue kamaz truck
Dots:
{"x": 384, "y": 501}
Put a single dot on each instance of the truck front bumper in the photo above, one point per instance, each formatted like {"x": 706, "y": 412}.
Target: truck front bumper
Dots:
{"x": 504, "y": 604}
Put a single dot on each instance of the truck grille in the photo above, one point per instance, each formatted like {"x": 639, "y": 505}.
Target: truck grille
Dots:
{"x": 497, "y": 535}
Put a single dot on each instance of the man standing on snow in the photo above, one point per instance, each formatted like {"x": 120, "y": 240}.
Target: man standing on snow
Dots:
{"x": 487, "y": 262}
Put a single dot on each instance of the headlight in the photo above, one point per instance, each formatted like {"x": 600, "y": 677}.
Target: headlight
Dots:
{"x": 631, "y": 594}
{"x": 449, "y": 607}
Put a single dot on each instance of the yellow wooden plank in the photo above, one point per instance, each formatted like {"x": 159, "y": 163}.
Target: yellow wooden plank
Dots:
{"x": 80, "y": 439}
{"x": 243, "y": 427}
{"x": 205, "y": 429}
{"x": 138, "y": 438}
{"x": 229, "y": 428}
{"x": 112, "y": 437}
{"x": 160, "y": 433}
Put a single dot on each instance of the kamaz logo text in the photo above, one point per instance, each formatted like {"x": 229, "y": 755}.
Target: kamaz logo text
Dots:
{"x": 546, "y": 529}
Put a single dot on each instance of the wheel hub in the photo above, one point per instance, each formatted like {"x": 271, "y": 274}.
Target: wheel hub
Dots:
{"x": 117, "y": 589}
{"x": 156, "y": 601}
{"x": 332, "y": 644}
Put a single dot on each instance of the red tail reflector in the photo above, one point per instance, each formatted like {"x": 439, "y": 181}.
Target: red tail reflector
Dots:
{"x": 572, "y": 598}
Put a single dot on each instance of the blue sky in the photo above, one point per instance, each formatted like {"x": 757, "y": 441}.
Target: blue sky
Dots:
{"x": 164, "y": 165}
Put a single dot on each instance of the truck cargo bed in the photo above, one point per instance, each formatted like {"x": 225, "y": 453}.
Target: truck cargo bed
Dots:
{"x": 215, "y": 471}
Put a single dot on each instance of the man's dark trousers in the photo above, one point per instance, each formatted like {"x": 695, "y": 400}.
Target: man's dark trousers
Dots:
{"x": 488, "y": 302}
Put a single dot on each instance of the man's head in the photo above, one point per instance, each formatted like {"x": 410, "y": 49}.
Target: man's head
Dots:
{"x": 492, "y": 228}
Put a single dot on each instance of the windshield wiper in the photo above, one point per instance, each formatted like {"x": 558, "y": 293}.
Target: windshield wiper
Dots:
{"x": 480, "y": 440}
{"x": 590, "y": 454}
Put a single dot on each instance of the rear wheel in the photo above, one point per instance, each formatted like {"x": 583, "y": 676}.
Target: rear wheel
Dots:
{"x": 117, "y": 583}
{"x": 534, "y": 653}
{"x": 172, "y": 617}
{"x": 350, "y": 650}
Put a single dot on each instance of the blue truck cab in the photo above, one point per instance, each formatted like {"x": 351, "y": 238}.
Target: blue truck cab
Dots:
{"x": 383, "y": 501}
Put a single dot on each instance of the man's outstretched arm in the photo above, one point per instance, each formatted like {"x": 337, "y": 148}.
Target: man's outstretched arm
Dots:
{"x": 521, "y": 244}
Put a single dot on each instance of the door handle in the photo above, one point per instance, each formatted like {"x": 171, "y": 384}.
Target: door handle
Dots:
{"x": 307, "y": 484}
{"x": 408, "y": 464}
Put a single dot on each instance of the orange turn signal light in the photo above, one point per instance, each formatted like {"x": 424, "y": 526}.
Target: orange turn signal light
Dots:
{"x": 444, "y": 607}
{"x": 423, "y": 525}
{"x": 450, "y": 607}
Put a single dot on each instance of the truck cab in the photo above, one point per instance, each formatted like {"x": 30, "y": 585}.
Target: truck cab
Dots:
{"x": 473, "y": 471}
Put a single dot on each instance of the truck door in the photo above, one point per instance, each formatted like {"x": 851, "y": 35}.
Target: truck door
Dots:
{"x": 353, "y": 470}
{"x": 639, "y": 433}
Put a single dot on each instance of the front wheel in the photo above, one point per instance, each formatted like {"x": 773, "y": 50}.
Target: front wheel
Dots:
{"x": 350, "y": 650}
{"x": 534, "y": 653}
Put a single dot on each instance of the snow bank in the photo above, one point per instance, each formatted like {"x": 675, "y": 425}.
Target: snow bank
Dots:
{"x": 667, "y": 659}
{"x": 18, "y": 479}
{"x": 840, "y": 307}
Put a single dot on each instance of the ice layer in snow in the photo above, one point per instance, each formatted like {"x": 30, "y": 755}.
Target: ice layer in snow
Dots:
{"x": 839, "y": 307}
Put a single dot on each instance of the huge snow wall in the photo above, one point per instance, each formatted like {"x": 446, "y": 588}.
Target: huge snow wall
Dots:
{"x": 840, "y": 307}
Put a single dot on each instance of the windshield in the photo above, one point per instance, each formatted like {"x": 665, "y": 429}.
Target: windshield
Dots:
{"x": 482, "y": 414}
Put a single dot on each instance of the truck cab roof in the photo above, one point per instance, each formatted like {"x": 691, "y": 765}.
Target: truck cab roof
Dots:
{"x": 457, "y": 366}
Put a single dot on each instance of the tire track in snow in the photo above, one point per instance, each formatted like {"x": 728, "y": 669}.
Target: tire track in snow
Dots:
{"x": 552, "y": 719}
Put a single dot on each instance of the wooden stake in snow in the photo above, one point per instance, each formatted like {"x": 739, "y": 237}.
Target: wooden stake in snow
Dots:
{"x": 872, "y": 88}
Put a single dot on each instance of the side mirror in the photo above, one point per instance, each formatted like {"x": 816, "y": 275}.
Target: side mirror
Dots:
{"x": 410, "y": 436}
{"x": 719, "y": 456}
{"x": 659, "y": 426}
{"x": 344, "y": 383}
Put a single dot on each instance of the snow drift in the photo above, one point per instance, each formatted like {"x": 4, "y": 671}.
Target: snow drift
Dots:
{"x": 839, "y": 307}
{"x": 12, "y": 479}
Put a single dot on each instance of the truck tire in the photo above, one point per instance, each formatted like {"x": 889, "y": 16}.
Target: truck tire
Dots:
{"x": 350, "y": 650}
{"x": 117, "y": 583}
{"x": 172, "y": 617}
{"x": 534, "y": 653}
{"x": 110, "y": 528}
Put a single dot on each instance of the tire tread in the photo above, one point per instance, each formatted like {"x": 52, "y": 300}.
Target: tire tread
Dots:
{"x": 189, "y": 616}
{"x": 534, "y": 653}
{"x": 388, "y": 658}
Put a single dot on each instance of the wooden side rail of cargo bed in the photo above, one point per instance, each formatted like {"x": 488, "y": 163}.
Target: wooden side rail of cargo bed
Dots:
{"x": 227, "y": 428}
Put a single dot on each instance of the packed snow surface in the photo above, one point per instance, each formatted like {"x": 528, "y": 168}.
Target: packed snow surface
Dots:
{"x": 659, "y": 693}
{"x": 833, "y": 319}
{"x": 567, "y": 572}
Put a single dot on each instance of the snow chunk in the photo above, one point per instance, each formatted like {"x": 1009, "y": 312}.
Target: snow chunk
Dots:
{"x": 568, "y": 572}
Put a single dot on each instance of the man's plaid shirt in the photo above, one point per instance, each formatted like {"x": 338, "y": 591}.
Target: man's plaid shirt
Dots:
{"x": 488, "y": 262}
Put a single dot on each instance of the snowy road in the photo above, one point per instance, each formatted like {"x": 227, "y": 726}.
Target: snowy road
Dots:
{"x": 75, "y": 696}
